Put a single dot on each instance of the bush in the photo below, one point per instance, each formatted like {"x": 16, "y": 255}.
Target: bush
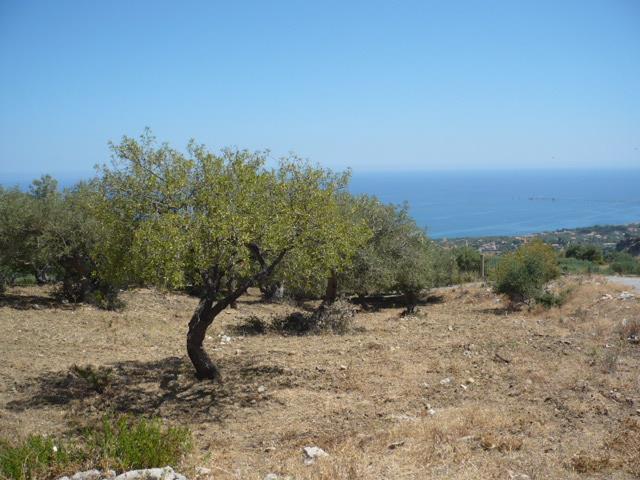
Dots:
{"x": 591, "y": 253}
{"x": 521, "y": 275}
{"x": 574, "y": 266}
{"x": 468, "y": 260}
{"x": 624, "y": 263}
{"x": 550, "y": 299}
{"x": 120, "y": 444}
{"x": 128, "y": 443}
{"x": 35, "y": 457}
{"x": 336, "y": 317}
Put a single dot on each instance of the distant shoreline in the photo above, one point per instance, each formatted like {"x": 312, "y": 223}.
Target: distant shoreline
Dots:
{"x": 605, "y": 236}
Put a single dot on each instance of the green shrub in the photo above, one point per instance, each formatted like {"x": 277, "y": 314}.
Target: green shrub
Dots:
{"x": 468, "y": 260}
{"x": 35, "y": 457}
{"x": 591, "y": 253}
{"x": 120, "y": 444}
{"x": 521, "y": 275}
{"x": 550, "y": 299}
{"x": 128, "y": 443}
{"x": 624, "y": 263}
{"x": 572, "y": 265}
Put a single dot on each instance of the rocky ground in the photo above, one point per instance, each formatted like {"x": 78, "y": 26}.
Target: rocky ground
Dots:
{"x": 464, "y": 389}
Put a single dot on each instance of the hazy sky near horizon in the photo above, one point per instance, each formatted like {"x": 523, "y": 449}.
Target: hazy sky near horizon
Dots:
{"x": 406, "y": 85}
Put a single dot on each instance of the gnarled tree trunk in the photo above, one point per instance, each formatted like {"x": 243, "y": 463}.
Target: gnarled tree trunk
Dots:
{"x": 331, "y": 292}
{"x": 209, "y": 308}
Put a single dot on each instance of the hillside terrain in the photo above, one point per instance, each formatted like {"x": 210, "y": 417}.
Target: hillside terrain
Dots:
{"x": 462, "y": 389}
{"x": 608, "y": 237}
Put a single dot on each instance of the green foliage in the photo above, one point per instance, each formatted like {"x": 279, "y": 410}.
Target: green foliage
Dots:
{"x": 397, "y": 256}
{"x": 571, "y": 265}
{"x": 199, "y": 218}
{"x": 50, "y": 235}
{"x": 468, "y": 260}
{"x": 591, "y": 253}
{"x": 98, "y": 379}
{"x": 128, "y": 443}
{"x": 550, "y": 299}
{"x": 35, "y": 457}
{"x": 521, "y": 275}
{"x": 623, "y": 263}
{"x": 120, "y": 444}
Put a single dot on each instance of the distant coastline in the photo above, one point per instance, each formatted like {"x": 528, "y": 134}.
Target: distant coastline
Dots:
{"x": 605, "y": 236}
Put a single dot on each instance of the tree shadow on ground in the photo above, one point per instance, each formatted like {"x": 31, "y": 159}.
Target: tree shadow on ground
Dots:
{"x": 32, "y": 302}
{"x": 379, "y": 302}
{"x": 166, "y": 388}
{"x": 500, "y": 311}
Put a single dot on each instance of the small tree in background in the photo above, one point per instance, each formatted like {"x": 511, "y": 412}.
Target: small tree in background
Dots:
{"x": 224, "y": 221}
{"x": 468, "y": 260}
{"x": 522, "y": 275}
{"x": 591, "y": 253}
{"x": 397, "y": 256}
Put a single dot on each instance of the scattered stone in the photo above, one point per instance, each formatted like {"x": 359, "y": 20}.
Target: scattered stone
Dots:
{"x": 262, "y": 389}
{"x": 431, "y": 411}
{"x": 165, "y": 473}
{"x": 451, "y": 328}
{"x": 518, "y": 476}
{"x": 606, "y": 296}
{"x": 271, "y": 476}
{"x": 626, "y": 296}
{"x": 224, "y": 339}
{"x": 470, "y": 380}
{"x": 312, "y": 454}
{"x": 445, "y": 381}
{"x": 87, "y": 475}
{"x": 270, "y": 449}
{"x": 203, "y": 471}
{"x": 463, "y": 386}
{"x": 394, "y": 445}
{"x": 343, "y": 367}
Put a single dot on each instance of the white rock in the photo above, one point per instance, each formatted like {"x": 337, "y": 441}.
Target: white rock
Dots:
{"x": 626, "y": 295}
{"x": 518, "y": 476}
{"x": 431, "y": 411}
{"x": 262, "y": 389}
{"x": 343, "y": 367}
{"x": 165, "y": 473}
{"x": 271, "y": 476}
{"x": 312, "y": 454}
{"x": 445, "y": 381}
{"x": 88, "y": 475}
{"x": 202, "y": 471}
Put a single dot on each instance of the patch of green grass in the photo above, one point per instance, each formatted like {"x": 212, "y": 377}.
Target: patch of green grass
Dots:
{"x": 121, "y": 444}
{"x": 550, "y": 299}
{"x": 128, "y": 443}
{"x": 35, "y": 457}
{"x": 569, "y": 265}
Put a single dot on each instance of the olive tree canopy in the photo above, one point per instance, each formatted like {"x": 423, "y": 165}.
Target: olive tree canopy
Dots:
{"x": 223, "y": 221}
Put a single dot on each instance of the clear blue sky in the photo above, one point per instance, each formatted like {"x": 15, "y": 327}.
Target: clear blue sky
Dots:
{"x": 371, "y": 85}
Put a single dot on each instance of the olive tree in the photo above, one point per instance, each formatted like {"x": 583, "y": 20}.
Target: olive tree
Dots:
{"x": 25, "y": 218}
{"x": 397, "y": 256}
{"x": 224, "y": 221}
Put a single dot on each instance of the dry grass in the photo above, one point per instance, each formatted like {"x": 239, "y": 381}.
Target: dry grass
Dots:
{"x": 528, "y": 392}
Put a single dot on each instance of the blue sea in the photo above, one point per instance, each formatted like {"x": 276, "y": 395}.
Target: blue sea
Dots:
{"x": 473, "y": 203}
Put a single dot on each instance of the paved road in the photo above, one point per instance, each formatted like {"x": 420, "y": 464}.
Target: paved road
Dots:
{"x": 633, "y": 282}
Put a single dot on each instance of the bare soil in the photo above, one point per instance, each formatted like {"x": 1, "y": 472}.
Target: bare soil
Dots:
{"x": 464, "y": 389}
